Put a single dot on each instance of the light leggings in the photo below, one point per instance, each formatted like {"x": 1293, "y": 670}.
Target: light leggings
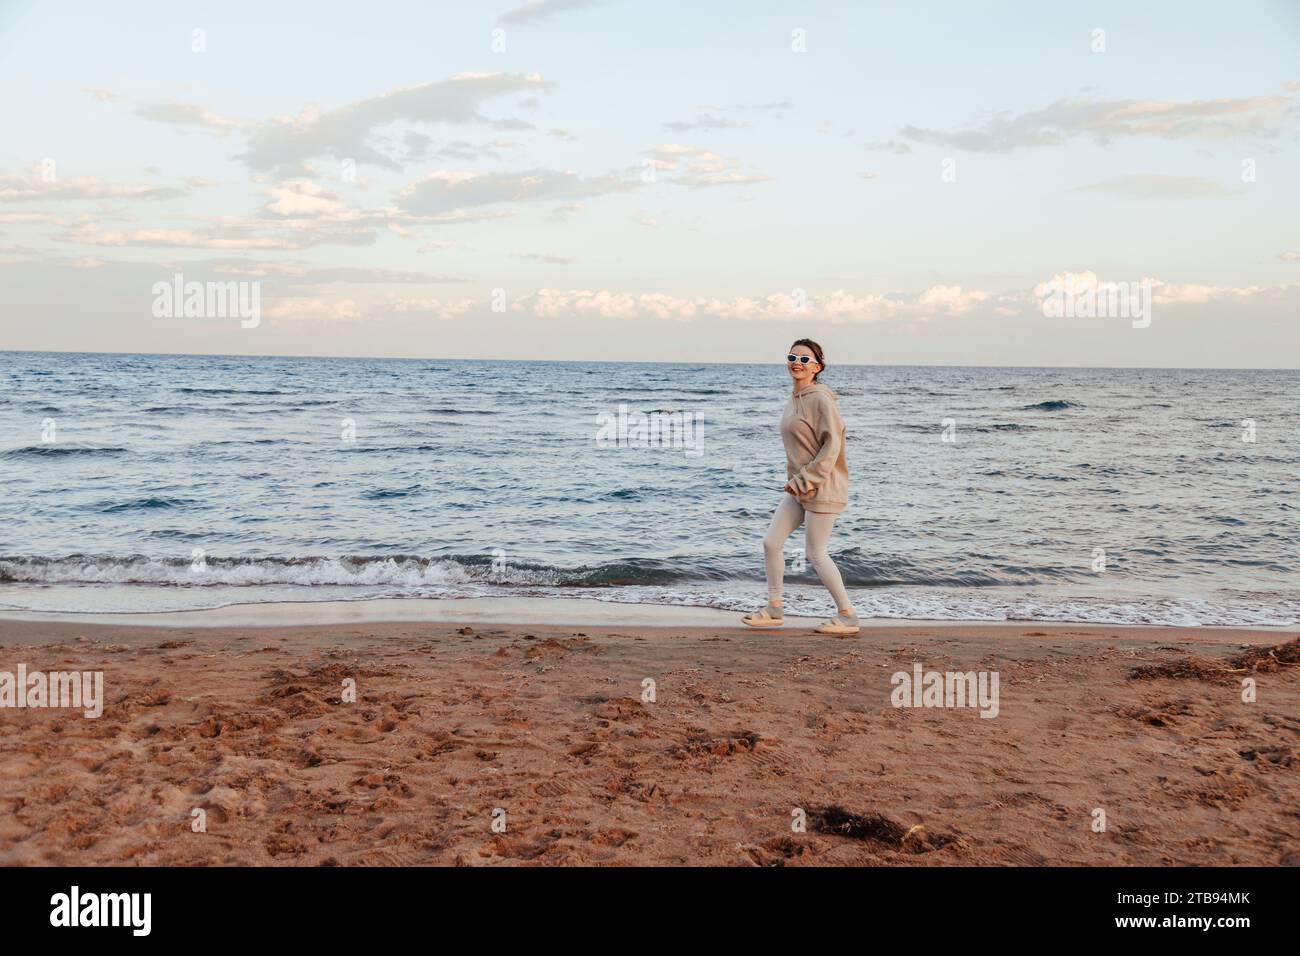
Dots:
{"x": 789, "y": 515}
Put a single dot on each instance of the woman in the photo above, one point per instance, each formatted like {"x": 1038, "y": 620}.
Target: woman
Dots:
{"x": 816, "y": 490}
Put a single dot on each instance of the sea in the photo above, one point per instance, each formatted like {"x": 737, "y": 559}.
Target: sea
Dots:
{"x": 138, "y": 483}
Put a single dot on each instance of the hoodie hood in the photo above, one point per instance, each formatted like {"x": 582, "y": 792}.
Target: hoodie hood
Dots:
{"x": 816, "y": 387}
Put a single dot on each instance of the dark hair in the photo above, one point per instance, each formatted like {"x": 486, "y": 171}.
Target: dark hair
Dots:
{"x": 817, "y": 354}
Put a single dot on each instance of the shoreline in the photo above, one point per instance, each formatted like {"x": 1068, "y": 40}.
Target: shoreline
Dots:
{"x": 542, "y": 611}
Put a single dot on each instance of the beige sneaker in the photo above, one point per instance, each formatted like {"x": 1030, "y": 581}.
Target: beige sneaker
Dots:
{"x": 841, "y": 625}
{"x": 765, "y": 617}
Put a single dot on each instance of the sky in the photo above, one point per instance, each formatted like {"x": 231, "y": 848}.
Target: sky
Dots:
{"x": 608, "y": 180}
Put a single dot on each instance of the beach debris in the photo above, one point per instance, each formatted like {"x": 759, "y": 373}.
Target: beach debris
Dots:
{"x": 618, "y": 708}
{"x": 1254, "y": 660}
{"x": 856, "y": 826}
{"x": 1196, "y": 668}
{"x": 776, "y": 852}
{"x": 559, "y": 648}
{"x": 1268, "y": 658}
{"x": 1160, "y": 715}
{"x": 877, "y": 828}
{"x": 916, "y": 840}
{"x": 740, "y": 741}
{"x": 1279, "y": 756}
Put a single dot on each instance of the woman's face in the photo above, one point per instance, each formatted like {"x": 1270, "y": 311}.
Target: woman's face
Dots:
{"x": 802, "y": 373}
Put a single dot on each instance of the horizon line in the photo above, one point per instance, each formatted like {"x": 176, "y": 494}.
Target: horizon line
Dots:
{"x": 402, "y": 358}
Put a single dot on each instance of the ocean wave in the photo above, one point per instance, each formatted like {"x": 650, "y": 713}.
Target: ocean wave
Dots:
{"x": 992, "y": 429}
{"x": 647, "y": 389}
{"x": 57, "y": 450}
{"x": 407, "y": 571}
{"x": 622, "y": 494}
{"x": 144, "y": 504}
{"x": 194, "y": 390}
{"x": 382, "y": 494}
{"x": 858, "y": 570}
{"x": 245, "y": 572}
{"x": 1055, "y": 405}
{"x": 255, "y": 441}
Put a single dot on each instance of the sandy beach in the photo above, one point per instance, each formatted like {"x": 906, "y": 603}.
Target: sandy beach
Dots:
{"x": 552, "y": 732}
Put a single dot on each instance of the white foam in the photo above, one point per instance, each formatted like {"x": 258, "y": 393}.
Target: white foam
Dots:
{"x": 447, "y": 582}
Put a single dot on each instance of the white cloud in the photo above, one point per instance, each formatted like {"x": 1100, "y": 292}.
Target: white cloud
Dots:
{"x": 177, "y": 113}
{"x": 230, "y": 234}
{"x": 308, "y": 309}
{"x": 437, "y": 308}
{"x": 300, "y": 274}
{"x": 696, "y": 167}
{"x": 36, "y": 185}
{"x": 535, "y": 10}
{"x": 836, "y": 307}
{"x": 704, "y": 121}
{"x": 549, "y": 258}
{"x": 1173, "y": 293}
{"x": 1163, "y": 292}
{"x": 28, "y": 218}
{"x": 345, "y": 132}
{"x": 298, "y": 214}
{"x": 103, "y": 95}
{"x": 890, "y": 146}
{"x": 447, "y": 191}
{"x": 301, "y": 199}
{"x": 1103, "y": 120}
{"x": 844, "y": 307}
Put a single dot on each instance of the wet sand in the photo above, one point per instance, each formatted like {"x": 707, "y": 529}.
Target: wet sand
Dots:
{"x": 748, "y": 734}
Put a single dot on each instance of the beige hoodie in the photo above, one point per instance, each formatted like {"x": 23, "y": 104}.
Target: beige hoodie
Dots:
{"x": 813, "y": 433}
